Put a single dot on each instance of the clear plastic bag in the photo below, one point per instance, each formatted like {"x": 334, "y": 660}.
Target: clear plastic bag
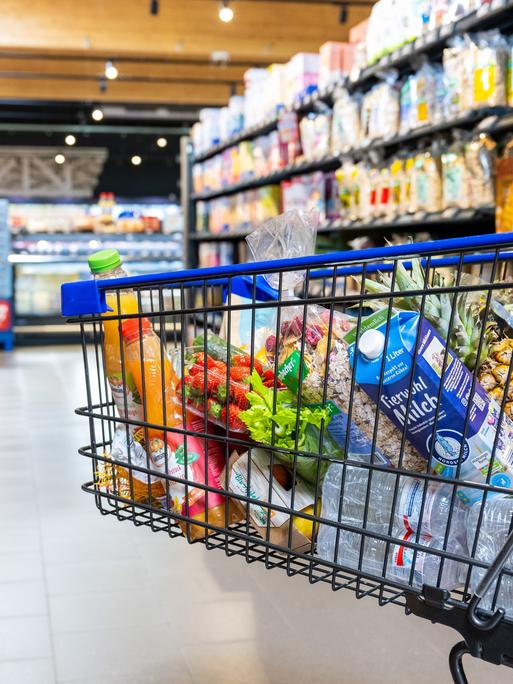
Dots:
{"x": 289, "y": 235}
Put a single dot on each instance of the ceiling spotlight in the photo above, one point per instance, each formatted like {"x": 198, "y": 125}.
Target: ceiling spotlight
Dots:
{"x": 225, "y": 12}
{"x": 59, "y": 159}
{"x": 70, "y": 139}
{"x": 97, "y": 114}
{"x": 136, "y": 160}
{"x": 110, "y": 71}
{"x": 162, "y": 142}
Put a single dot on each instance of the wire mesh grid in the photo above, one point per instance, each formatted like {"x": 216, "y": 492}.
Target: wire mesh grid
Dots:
{"x": 362, "y": 507}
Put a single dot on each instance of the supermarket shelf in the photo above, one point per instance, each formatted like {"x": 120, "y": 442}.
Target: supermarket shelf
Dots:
{"x": 497, "y": 13}
{"x": 125, "y": 237}
{"x": 247, "y": 134}
{"x": 490, "y": 119}
{"x": 484, "y": 216}
{"x": 328, "y": 163}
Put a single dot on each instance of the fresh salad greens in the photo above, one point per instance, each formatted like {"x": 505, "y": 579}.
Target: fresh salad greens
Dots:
{"x": 262, "y": 418}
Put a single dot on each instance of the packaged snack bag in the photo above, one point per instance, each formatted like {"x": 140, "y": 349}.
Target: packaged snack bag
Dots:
{"x": 199, "y": 461}
{"x": 504, "y": 211}
{"x": 256, "y": 481}
{"x": 357, "y": 432}
{"x": 480, "y": 154}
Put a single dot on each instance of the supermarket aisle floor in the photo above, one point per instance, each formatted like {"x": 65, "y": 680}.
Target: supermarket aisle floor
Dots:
{"x": 86, "y": 599}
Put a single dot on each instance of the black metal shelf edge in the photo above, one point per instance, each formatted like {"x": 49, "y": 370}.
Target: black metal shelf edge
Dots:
{"x": 457, "y": 216}
{"x": 247, "y": 134}
{"x": 329, "y": 163}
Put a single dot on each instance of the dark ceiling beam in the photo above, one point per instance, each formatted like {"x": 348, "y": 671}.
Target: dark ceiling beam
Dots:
{"x": 85, "y": 57}
{"x": 92, "y": 129}
{"x": 133, "y": 79}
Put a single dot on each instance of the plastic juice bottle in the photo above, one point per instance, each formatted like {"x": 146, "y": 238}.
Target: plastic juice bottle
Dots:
{"x": 106, "y": 265}
{"x": 159, "y": 381}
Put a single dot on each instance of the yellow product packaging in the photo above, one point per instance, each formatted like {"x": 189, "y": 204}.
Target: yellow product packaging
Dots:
{"x": 504, "y": 191}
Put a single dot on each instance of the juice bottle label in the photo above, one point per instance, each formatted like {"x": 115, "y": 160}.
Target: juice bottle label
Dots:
{"x": 132, "y": 402}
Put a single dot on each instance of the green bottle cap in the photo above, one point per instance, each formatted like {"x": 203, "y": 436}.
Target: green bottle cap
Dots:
{"x": 104, "y": 260}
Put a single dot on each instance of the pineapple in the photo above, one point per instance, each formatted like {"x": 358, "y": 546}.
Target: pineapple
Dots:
{"x": 466, "y": 328}
{"x": 493, "y": 373}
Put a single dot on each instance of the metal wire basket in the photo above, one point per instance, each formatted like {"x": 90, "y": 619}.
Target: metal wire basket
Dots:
{"x": 267, "y": 441}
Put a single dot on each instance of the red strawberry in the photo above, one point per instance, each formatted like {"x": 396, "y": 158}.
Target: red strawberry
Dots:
{"x": 268, "y": 374}
{"x": 234, "y": 423}
{"x": 238, "y": 395}
{"x": 198, "y": 383}
{"x": 239, "y": 374}
{"x": 244, "y": 360}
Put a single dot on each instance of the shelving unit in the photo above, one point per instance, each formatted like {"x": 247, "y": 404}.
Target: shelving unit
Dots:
{"x": 495, "y": 121}
{"x": 41, "y": 261}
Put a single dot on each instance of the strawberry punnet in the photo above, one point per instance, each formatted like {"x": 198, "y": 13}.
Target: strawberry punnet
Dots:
{"x": 234, "y": 423}
{"x": 240, "y": 374}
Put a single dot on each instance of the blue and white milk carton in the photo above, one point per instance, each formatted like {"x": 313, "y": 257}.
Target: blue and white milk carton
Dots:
{"x": 468, "y": 441}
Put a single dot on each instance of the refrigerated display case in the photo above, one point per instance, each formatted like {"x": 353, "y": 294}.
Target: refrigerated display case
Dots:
{"x": 42, "y": 261}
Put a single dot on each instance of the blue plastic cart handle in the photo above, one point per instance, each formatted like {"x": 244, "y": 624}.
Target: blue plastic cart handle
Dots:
{"x": 88, "y": 297}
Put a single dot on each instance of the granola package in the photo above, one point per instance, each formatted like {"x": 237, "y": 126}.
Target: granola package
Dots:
{"x": 313, "y": 360}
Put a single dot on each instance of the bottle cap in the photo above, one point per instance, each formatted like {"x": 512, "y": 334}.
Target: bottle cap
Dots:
{"x": 131, "y": 328}
{"x": 104, "y": 260}
{"x": 371, "y": 344}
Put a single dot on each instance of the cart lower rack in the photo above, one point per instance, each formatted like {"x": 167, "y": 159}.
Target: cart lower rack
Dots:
{"x": 346, "y": 417}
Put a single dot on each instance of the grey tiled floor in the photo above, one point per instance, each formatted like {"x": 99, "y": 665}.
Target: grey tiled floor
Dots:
{"x": 87, "y": 600}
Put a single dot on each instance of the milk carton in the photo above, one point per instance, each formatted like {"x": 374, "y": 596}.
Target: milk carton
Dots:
{"x": 460, "y": 441}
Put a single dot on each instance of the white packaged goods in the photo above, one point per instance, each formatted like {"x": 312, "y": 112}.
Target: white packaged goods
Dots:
{"x": 301, "y": 74}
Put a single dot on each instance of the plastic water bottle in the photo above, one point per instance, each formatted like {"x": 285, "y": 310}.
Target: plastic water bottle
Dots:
{"x": 437, "y": 501}
{"x": 493, "y": 532}
{"x": 406, "y": 523}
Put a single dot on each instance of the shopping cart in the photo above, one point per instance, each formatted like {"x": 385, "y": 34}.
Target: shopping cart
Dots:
{"x": 186, "y": 466}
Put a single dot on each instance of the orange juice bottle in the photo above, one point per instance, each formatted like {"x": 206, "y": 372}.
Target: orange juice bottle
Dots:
{"x": 153, "y": 374}
{"x": 106, "y": 265}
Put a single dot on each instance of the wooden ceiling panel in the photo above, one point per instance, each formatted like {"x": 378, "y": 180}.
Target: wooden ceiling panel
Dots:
{"x": 88, "y": 91}
{"x": 45, "y": 43}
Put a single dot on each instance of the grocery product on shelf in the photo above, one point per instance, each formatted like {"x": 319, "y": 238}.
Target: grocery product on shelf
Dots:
{"x": 335, "y": 62}
{"x": 455, "y": 177}
{"x": 480, "y": 155}
{"x": 345, "y": 129}
{"x": 380, "y": 110}
{"x": 504, "y": 189}
{"x": 301, "y": 75}
{"x": 315, "y": 135}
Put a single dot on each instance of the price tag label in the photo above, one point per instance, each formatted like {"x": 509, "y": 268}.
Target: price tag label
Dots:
{"x": 487, "y": 122}
{"x": 450, "y": 213}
